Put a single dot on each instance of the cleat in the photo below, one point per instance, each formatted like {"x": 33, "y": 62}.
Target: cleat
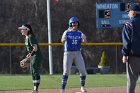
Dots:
{"x": 83, "y": 90}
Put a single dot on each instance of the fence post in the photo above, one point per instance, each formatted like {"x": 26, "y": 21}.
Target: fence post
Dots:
{"x": 116, "y": 60}
{"x": 10, "y": 62}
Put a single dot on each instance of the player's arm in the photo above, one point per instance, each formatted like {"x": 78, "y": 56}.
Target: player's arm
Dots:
{"x": 35, "y": 48}
{"x": 33, "y": 43}
{"x": 84, "y": 40}
{"x": 64, "y": 37}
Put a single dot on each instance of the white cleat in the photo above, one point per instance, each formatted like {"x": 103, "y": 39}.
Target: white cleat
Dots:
{"x": 83, "y": 90}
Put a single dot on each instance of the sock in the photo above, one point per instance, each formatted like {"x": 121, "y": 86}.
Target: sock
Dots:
{"x": 36, "y": 82}
{"x": 36, "y": 85}
{"x": 82, "y": 80}
{"x": 64, "y": 81}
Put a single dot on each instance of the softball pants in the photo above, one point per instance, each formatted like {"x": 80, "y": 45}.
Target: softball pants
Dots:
{"x": 69, "y": 58}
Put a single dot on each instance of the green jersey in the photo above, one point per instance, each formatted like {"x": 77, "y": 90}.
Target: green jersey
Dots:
{"x": 36, "y": 59}
{"x": 30, "y": 41}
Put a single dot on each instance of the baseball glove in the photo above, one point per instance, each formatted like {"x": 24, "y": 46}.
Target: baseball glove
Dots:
{"x": 24, "y": 64}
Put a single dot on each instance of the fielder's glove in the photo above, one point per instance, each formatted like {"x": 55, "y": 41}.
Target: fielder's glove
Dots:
{"x": 24, "y": 64}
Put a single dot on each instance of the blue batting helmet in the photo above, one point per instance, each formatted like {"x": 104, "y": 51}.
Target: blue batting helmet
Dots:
{"x": 73, "y": 19}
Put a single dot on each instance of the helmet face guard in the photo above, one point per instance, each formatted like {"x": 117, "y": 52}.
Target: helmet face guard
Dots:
{"x": 72, "y": 20}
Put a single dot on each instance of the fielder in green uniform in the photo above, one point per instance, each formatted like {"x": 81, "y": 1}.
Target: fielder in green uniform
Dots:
{"x": 34, "y": 54}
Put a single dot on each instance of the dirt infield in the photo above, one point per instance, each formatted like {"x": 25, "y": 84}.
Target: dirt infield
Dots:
{"x": 76, "y": 90}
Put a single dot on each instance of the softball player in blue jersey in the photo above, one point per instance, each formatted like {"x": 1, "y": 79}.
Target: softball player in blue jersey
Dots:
{"x": 72, "y": 39}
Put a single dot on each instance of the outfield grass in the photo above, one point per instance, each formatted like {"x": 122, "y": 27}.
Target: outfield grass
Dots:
{"x": 15, "y": 82}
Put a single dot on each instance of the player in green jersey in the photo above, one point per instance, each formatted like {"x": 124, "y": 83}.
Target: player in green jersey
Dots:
{"x": 34, "y": 54}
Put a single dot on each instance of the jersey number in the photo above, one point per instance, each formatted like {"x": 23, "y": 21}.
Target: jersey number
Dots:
{"x": 74, "y": 42}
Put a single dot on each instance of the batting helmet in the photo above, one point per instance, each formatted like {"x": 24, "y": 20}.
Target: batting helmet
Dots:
{"x": 73, "y": 19}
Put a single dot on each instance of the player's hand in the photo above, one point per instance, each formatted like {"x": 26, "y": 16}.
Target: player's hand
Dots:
{"x": 83, "y": 36}
{"x": 24, "y": 64}
{"x": 84, "y": 40}
{"x": 125, "y": 59}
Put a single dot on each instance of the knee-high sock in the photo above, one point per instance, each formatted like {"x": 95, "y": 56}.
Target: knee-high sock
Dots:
{"x": 82, "y": 80}
{"x": 64, "y": 81}
{"x": 36, "y": 82}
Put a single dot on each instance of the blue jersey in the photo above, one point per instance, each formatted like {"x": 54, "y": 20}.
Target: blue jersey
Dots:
{"x": 73, "y": 40}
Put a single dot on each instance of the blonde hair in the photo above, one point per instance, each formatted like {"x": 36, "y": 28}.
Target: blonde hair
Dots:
{"x": 70, "y": 28}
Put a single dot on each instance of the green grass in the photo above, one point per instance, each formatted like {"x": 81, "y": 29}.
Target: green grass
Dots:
{"x": 16, "y": 82}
